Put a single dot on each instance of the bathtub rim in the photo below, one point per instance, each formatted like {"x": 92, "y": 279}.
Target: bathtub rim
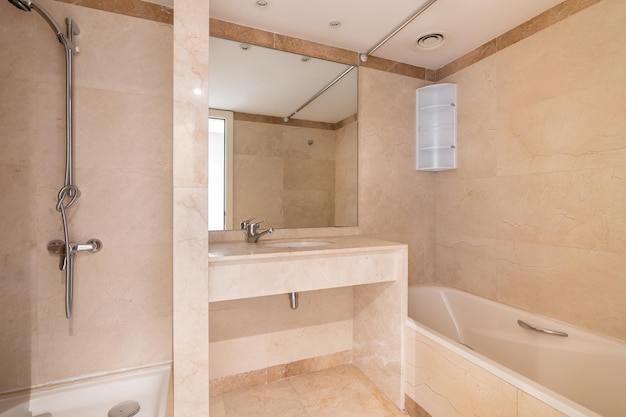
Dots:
{"x": 546, "y": 395}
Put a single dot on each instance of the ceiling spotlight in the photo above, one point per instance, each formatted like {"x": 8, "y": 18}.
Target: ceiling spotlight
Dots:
{"x": 262, "y": 3}
{"x": 334, "y": 24}
{"x": 245, "y": 46}
{"x": 305, "y": 59}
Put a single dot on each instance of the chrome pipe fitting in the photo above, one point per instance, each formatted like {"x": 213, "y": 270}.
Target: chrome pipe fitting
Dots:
{"x": 293, "y": 300}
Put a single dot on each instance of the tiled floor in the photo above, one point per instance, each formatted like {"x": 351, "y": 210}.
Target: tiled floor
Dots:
{"x": 339, "y": 392}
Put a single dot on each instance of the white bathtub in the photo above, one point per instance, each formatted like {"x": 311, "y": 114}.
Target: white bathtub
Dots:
{"x": 95, "y": 397}
{"x": 581, "y": 375}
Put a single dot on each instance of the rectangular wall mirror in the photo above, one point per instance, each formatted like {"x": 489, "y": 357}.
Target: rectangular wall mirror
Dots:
{"x": 291, "y": 170}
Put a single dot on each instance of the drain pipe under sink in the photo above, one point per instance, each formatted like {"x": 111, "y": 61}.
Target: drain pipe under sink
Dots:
{"x": 293, "y": 300}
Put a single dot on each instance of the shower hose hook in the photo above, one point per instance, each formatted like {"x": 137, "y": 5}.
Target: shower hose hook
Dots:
{"x": 69, "y": 191}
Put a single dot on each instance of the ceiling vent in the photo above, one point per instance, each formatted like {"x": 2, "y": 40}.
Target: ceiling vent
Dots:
{"x": 429, "y": 41}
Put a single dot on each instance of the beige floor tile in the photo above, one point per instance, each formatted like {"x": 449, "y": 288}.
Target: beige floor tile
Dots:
{"x": 216, "y": 406}
{"x": 275, "y": 399}
{"x": 338, "y": 392}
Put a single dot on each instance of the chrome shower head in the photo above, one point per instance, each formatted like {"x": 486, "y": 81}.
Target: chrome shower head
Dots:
{"x": 22, "y": 4}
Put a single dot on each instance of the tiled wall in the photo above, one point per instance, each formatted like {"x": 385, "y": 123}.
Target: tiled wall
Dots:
{"x": 282, "y": 179}
{"x": 346, "y": 175}
{"x": 395, "y": 202}
{"x": 123, "y": 166}
{"x": 535, "y": 215}
{"x": 190, "y": 208}
{"x": 257, "y": 333}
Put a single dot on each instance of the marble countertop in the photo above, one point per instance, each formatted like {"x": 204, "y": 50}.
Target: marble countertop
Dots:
{"x": 232, "y": 251}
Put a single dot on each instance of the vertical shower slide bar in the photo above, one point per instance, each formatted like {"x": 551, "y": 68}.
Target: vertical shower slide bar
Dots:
{"x": 69, "y": 192}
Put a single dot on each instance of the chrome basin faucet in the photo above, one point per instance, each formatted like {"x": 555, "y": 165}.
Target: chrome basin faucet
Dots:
{"x": 252, "y": 230}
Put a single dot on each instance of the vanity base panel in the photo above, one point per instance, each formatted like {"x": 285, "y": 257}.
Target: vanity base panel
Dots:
{"x": 278, "y": 372}
{"x": 269, "y": 276}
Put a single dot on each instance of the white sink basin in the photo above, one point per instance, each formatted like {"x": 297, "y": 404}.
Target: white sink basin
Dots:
{"x": 298, "y": 244}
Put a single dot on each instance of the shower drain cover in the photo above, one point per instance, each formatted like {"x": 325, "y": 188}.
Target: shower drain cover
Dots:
{"x": 124, "y": 409}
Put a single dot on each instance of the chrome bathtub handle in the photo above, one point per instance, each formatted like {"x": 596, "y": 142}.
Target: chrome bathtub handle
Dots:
{"x": 541, "y": 330}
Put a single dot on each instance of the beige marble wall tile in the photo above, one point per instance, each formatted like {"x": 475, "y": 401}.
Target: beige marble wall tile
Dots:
{"x": 191, "y": 296}
{"x": 378, "y": 349}
{"x": 529, "y": 406}
{"x": 588, "y": 284}
{"x": 296, "y": 143}
{"x": 568, "y": 55}
{"x": 577, "y": 209}
{"x": 125, "y": 284}
{"x": 18, "y": 45}
{"x": 19, "y": 132}
{"x": 570, "y": 117}
{"x": 237, "y": 356}
{"x": 146, "y": 68}
{"x": 309, "y": 174}
{"x": 466, "y": 230}
{"x": 190, "y": 278}
{"x": 554, "y": 161}
{"x": 395, "y": 201}
{"x": 141, "y": 291}
{"x": 138, "y": 142}
{"x": 262, "y": 332}
{"x": 278, "y": 372}
{"x": 440, "y": 383}
{"x": 447, "y": 385}
{"x": 145, "y": 341}
{"x": 577, "y": 129}
{"x": 310, "y": 341}
{"x": 307, "y": 366}
{"x": 258, "y": 189}
{"x": 116, "y": 64}
{"x": 346, "y": 175}
{"x": 122, "y": 163}
{"x": 308, "y": 208}
{"x": 257, "y": 139}
{"x": 477, "y": 111}
{"x": 458, "y": 201}
{"x": 469, "y": 265}
{"x": 18, "y": 289}
{"x": 282, "y": 179}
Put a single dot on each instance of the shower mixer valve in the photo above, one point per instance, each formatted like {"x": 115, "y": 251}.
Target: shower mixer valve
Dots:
{"x": 58, "y": 247}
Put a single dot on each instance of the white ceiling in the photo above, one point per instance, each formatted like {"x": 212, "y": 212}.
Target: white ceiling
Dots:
{"x": 466, "y": 25}
{"x": 265, "y": 81}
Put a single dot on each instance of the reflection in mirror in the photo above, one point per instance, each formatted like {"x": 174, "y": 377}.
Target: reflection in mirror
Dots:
{"x": 292, "y": 174}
